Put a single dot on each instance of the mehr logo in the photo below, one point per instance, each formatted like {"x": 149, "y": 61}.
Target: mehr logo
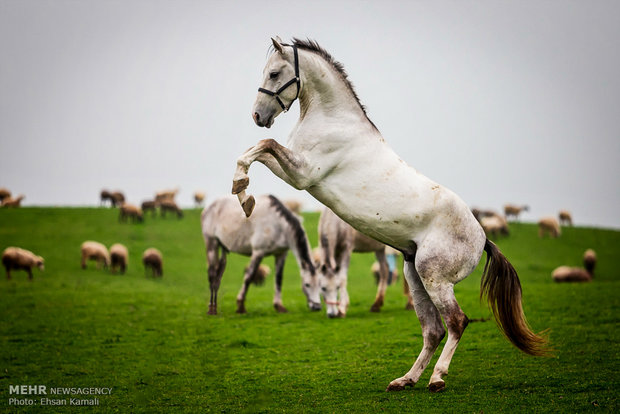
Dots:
{"x": 28, "y": 389}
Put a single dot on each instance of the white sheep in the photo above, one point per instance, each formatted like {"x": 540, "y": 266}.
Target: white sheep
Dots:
{"x": 13, "y": 202}
{"x": 119, "y": 256}
{"x": 513, "y": 210}
{"x": 14, "y": 258}
{"x": 577, "y": 274}
{"x": 549, "y": 225}
{"x": 92, "y": 250}
{"x": 494, "y": 225}
{"x": 131, "y": 211}
{"x": 565, "y": 217}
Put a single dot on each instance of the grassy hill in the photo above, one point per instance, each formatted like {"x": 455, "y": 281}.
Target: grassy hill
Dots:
{"x": 152, "y": 342}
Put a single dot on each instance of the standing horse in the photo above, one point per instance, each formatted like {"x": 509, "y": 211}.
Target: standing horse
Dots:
{"x": 337, "y": 154}
{"x": 338, "y": 241}
{"x": 272, "y": 230}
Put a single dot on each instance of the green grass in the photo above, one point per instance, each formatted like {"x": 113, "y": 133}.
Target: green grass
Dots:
{"x": 153, "y": 343}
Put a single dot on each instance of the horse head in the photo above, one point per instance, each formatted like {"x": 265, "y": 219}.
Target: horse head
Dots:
{"x": 330, "y": 281}
{"x": 277, "y": 93}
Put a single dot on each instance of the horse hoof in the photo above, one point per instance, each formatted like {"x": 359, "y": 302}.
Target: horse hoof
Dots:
{"x": 240, "y": 184}
{"x": 437, "y": 386}
{"x": 248, "y": 206}
{"x": 241, "y": 311}
{"x": 279, "y": 308}
{"x": 409, "y": 306}
{"x": 399, "y": 385}
{"x": 375, "y": 308}
{"x": 212, "y": 311}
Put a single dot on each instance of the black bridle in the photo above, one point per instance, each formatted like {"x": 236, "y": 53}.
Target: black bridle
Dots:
{"x": 295, "y": 80}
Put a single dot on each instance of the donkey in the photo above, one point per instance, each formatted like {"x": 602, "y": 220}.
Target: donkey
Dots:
{"x": 337, "y": 242}
{"x": 272, "y": 230}
{"x": 339, "y": 156}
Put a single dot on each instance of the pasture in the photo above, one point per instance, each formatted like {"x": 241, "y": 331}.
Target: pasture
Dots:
{"x": 153, "y": 343}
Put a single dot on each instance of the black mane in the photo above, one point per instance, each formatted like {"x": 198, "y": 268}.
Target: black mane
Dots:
{"x": 300, "y": 235}
{"x": 313, "y": 46}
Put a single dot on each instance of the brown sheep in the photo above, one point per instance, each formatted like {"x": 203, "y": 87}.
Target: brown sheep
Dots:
{"x": 92, "y": 250}
{"x": 104, "y": 196}
{"x": 131, "y": 211}
{"x": 549, "y": 225}
{"x": 4, "y": 193}
{"x": 169, "y": 205}
{"x": 14, "y": 258}
{"x": 565, "y": 217}
{"x": 119, "y": 256}
{"x": 494, "y": 225}
{"x": 150, "y": 205}
{"x": 152, "y": 259}
{"x": 13, "y": 202}
{"x": 199, "y": 198}
{"x": 166, "y": 195}
{"x": 117, "y": 198}
{"x": 512, "y": 210}
{"x": 577, "y": 274}
{"x": 480, "y": 214}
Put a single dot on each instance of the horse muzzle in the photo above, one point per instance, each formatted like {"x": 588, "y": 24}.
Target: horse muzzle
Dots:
{"x": 263, "y": 120}
{"x": 314, "y": 306}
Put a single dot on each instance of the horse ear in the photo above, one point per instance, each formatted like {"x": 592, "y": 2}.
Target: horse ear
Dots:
{"x": 276, "y": 43}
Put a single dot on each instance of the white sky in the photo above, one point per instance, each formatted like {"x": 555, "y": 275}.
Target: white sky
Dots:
{"x": 501, "y": 101}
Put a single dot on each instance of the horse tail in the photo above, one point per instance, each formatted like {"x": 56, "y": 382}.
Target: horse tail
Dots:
{"x": 500, "y": 284}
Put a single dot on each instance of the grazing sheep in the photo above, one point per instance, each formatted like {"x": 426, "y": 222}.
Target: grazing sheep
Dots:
{"x": 549, "y": 225}
{"x": 92, "y": 250}
{"x": 565, "y": 217}
{"x": 294, "y": 206}
{"x": 480, "y": 214}
{"x": 152, "y": 259}
{"x": 120, "y": 257}
{"x": 14, "y": 258}
{"x": 150, "y": 205}
{"x": 577, "y": 274}
{"x": 104, "y": 196}
{"x": 131, "y": 211}
{"x": 512, "y": 210}
{"x": 13, "y": 202}
{"x": 117, "y": 198}
{"x": 4, "y": 193}
{"x": 494, "y": 225}
{"x": 166, "y": 195}
{"x": 199, "y": 198}
{"x": 169, "y": 205}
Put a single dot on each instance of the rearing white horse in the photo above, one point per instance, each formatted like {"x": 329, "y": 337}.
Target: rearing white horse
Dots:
{"x": 337, "y": 154}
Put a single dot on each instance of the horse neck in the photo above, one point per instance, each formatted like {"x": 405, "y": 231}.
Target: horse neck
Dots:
{"x": 323, "y": 89}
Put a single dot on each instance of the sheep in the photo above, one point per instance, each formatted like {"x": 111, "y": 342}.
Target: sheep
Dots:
{"x": 131, "y": 211}
{"x": 120, "y": 257}
{"x": 150, "y": 205}
{"x": 14, "y": 258}
{"x": 494, "y": 225}
{"x": 152, "y": 259}
{"x": 513, "y": 210}
{"x": 294, "y": 206}
{"x": 166, "y": 195}
{"x": 169, "y": 205}
{"x": 92, "y": 250}
{"x": 117, "y": 198}
{"x": 4, "y": 193}
{"x": 480, "y": 214}
{"x": 565, "y": 217}
{"x": 13, "y": 202}
{"x": 549, "y": 225}
{"x": 104, "y": 196}
{"x": 199, "y": 198}
{"x": 577, "y": 274}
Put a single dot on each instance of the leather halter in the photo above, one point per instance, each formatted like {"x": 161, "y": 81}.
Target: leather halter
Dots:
{"x": 295, "y": 80}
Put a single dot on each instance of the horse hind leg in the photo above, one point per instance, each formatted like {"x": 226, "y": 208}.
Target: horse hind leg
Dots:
{"x": 383, "y": 281}
{"x": 216, "y": 266}
{"x": 432, "y": 329}
{"x": 277, "y": 297}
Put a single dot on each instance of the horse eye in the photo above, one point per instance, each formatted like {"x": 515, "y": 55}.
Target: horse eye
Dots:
{"x": 273, "y": 75}
{"x": 307, "y": 285}
{"x": 324, "y": 289}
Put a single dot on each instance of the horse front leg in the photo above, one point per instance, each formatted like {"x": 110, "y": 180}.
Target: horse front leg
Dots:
{"x": 280, "y": 160}
{"x": 277, "y": 296}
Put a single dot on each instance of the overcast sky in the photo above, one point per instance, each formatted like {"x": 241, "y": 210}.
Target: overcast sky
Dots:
{"x": 500, "y": 101}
